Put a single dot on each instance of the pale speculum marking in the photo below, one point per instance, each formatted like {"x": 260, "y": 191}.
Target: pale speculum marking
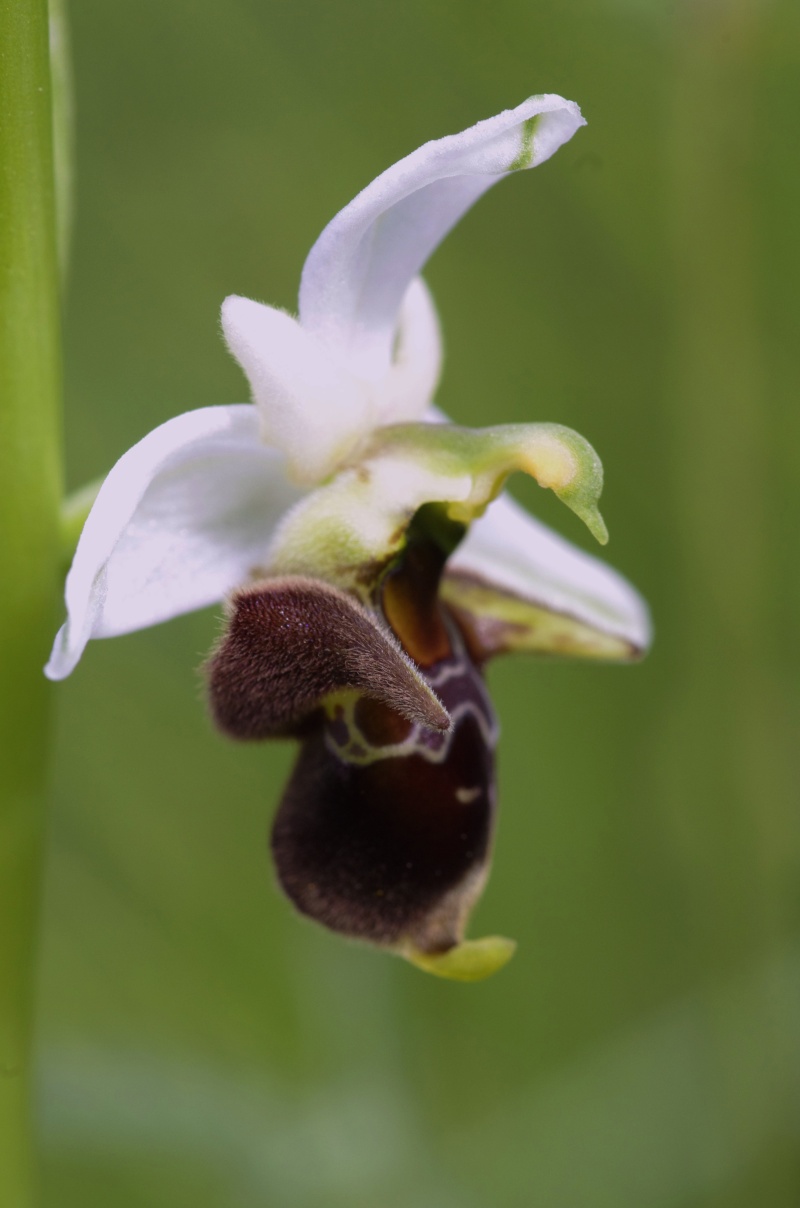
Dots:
{"x": 460, "y": 687}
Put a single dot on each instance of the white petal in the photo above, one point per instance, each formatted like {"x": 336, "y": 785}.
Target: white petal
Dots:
{"x": 311, "y": 407}
{"x": 515, "y": 552}
{"x": 360, "y": 267}
{"x": 411, "y": 383}
{"x": 183, "y": 517}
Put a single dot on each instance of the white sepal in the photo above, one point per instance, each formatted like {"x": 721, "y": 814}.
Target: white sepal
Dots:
{"x": 183, "y": 517}
{"x": 358, "y": 271}
{"x": 311, "y": 407}
{"x": 512, "y": 551}
{"x": 406, "y": 391}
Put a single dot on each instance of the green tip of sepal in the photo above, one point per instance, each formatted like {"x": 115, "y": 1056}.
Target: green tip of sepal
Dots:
{"x": 469, "y": 961}
{"x": 581, "y": 470}
{"x": 557, "y": 457}
{"x": 589, "y": 513}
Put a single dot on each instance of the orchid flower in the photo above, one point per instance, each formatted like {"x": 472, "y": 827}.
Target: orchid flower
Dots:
{"x": 369, "y": 562}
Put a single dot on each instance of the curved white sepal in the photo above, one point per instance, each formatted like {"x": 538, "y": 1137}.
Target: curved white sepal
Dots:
{"x": 407, "y": 390}
{"x": 357, "y": 272}
{"x": 182, "y": 518}
{"x": 311, "y": 407}
{"x": 514, "y": 552}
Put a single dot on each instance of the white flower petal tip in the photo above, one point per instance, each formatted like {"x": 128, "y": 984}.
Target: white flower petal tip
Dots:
{"x": 359, "y": 269}
{"x": 184, "y": 516}
{"x": 311, "y": 407}
{"x": 508, "y": 552}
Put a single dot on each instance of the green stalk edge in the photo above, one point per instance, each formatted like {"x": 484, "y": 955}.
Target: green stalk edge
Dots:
{"x": 30, "y": 490}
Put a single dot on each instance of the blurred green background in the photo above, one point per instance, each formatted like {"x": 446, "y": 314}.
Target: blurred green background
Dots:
{"x": 199, "y": 1043}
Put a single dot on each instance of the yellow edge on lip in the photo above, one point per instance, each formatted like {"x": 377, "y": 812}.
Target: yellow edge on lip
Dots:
{"x": 471, "y": 960}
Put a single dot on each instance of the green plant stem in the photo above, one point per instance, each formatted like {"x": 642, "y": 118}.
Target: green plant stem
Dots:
{"x": 74, "y": 511}
{"x": 29, "y": 547}
{"x": 63, "y": 130}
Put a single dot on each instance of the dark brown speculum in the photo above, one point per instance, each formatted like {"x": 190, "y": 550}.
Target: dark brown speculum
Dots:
{"x": 384, "y": 829}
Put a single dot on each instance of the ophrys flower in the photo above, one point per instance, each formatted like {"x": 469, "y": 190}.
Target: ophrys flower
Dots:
{"x": 373, "y": 566}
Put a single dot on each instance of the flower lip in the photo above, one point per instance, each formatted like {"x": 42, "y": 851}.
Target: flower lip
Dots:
{"x": 291, "y": 644}
{"x": 386, "y": 837}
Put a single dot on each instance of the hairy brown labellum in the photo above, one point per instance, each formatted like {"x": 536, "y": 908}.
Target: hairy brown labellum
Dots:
{"x": 293, "y": 642}
{"x": 385, "y": 827}
{"x": 386, "y": 837}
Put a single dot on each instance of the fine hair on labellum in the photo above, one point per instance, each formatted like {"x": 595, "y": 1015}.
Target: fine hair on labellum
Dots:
{"x": 292, "y": 642}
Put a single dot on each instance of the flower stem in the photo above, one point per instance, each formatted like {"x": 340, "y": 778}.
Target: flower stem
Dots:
{"x": 29, "y": 546}
{"x": 74, "y": 511}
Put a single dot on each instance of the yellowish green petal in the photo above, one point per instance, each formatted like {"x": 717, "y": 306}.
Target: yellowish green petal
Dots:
{"x": 499, "y": 622}
{"x": 469, "y": 961}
